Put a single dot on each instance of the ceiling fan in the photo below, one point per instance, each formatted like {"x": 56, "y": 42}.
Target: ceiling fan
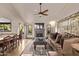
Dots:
{"x": 42, "y": 12}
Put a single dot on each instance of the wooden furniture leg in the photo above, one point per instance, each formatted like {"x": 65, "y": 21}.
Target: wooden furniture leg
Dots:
{"x": 34, "y": 47}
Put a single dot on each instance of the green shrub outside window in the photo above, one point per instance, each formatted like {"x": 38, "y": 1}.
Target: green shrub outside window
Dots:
{"x": 5, "y": 27}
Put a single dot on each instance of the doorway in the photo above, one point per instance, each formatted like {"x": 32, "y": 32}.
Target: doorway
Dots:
{"x": 39, "y": 30}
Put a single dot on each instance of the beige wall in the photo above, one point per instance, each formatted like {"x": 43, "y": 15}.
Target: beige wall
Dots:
{"x": 7, "y": 12}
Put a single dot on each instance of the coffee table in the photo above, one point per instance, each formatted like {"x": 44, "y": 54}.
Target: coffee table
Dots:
{"x": 40, "y": 42}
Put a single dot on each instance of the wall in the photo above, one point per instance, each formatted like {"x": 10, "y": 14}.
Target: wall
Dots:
{"x": 37, "y": 19}
{"x": 6, "y": 11}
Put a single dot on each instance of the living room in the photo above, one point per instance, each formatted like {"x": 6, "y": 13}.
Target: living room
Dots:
{"x": 39, "y": 29}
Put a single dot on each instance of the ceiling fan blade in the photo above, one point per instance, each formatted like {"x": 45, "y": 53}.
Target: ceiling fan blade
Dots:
{"x": 45, "y": 14}
{"x": 40, "y": 13}
{"x": 45, "y": 11}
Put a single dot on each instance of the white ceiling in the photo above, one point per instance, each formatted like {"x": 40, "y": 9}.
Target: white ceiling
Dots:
{"x": 56, "y": 11}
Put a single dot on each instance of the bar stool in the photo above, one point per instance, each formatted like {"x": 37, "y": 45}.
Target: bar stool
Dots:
{"x": 11, "y": 43}
{"x": 18, "y": 40}
{"x": 14, "y": 41}
{"x": 1, "y": 47}
{"x": 6, "y": 43}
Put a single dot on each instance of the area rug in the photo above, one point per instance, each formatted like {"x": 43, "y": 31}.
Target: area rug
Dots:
{"x": 40, "y": 50}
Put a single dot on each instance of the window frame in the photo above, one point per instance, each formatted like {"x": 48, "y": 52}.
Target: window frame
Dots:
{"x": 3, "y": 30}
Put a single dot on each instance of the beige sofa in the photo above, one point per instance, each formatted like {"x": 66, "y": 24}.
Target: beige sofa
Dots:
{"x": 55, "y": 46}
{"x": 67, "y": 49}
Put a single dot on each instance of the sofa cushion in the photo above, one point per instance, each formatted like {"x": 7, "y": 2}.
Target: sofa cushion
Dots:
{"x": 67, "y": 49}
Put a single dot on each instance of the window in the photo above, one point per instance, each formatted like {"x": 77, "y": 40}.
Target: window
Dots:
{"x": 30, "y": 29}
{"x": 39, "y": 30}
{"x": 21, "y": 28}
{"x": 39, "y": 25}
{"x": 5, "y": 25}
